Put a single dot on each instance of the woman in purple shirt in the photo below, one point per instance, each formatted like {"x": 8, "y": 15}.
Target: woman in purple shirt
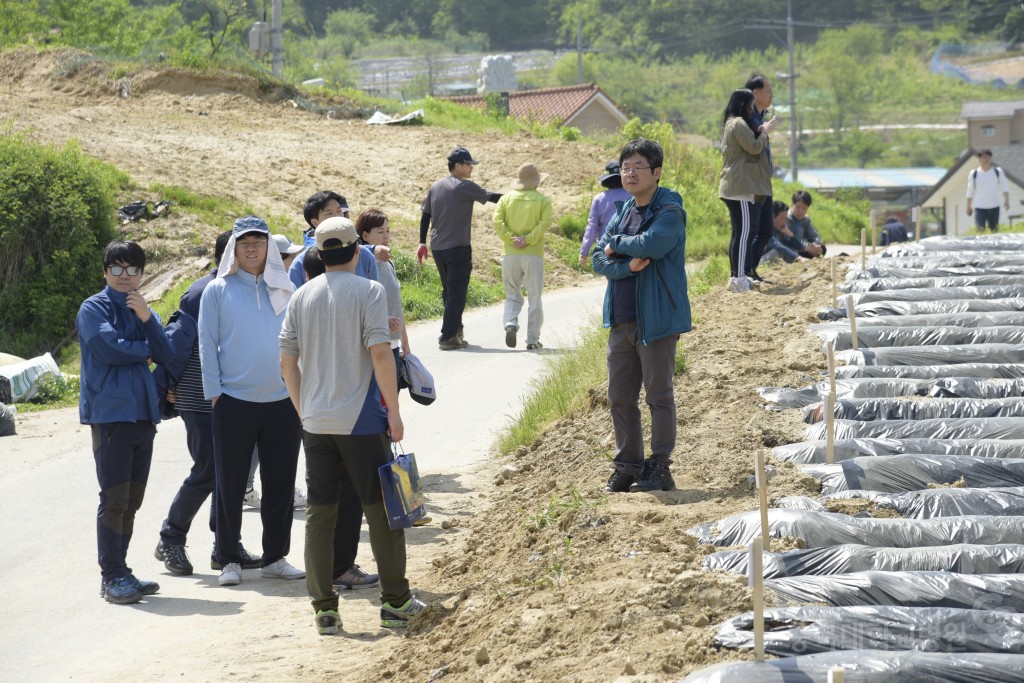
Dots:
{"x": 603, "y": 208}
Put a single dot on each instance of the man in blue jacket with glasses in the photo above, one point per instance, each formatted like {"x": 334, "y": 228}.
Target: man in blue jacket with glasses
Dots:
{"x": 646, "y": 306}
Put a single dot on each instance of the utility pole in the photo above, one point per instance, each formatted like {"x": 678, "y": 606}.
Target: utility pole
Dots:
{"x": 793, "y": 142}
{"x": 579, "y": 51}
{"x": 771, "y": 25}
{"x": 276, "y": 29}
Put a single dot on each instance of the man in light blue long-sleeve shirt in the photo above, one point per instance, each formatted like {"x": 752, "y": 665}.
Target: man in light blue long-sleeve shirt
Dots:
{"x": 240, "y": 318}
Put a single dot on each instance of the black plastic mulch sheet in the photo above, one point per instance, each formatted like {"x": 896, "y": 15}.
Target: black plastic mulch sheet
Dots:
{"x": 961, "y": 558}
{"x": 943, "y": 502}
{"x": 976, "y": 387}
{"x": 942, "y": 428}
{"x": 932, "y": 294}
{"x": 881, "y": 387}
{"x": 968, "y": 319}
{"x": 903, "y": 409}
{"x": 949, "y": 259}
{"x": 926, "y": 271}
{"x": 899, "y": 473}
{"x": 890, "y": 308}
{"x": 872, "y": 666}
{"x": 920, "y": 282}
{"x": 935, "y": 355}
{"x": 875, "y": 337}
{"x": 1001, "y": 592}
{"x": 819, "y": 529}
{"x": 792, "y": 631}
{"x": 858, "y": 387}
{"x": 810, "y": 452}
{"x": 1009, "y": 370}
{"x": 1001, "y": 242}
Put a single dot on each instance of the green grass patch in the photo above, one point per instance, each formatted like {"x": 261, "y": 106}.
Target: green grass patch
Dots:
{"x": 421, "y": 289}
{"x": 453, "y": 116}
{"x": 53, "y": 392}
{"x": 563, "y": 390}
{"x": 557, "y": 506}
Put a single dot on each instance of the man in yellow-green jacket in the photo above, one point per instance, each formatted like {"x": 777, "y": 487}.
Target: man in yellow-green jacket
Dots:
{"x": 521, "y": 220}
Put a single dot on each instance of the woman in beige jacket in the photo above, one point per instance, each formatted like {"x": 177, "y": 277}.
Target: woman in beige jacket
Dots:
{"x": 746, "y": 178}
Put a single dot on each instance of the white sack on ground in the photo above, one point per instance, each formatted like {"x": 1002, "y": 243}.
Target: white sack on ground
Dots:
{"x": 902, "y": 409}
{"x": 809, "y": 452}
{"x": 818, "y": 529}
{"x": 809, "y": 630}
{"x": 960, "y": 558}
{"x": 889, "y": 308}
{"x": 1009, "y": 370}
{"x": 875, "y": 337}
{"x": 898, "y": 473}
{"x": 872, "y": 666}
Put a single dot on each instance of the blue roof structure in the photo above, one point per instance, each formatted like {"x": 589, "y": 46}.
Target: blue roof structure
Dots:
{"x": 881, "y": 178}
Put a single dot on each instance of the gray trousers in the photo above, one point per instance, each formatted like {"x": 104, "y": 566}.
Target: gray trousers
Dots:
{"x": 518, "y": 271}
{"x": 630, "y": 366}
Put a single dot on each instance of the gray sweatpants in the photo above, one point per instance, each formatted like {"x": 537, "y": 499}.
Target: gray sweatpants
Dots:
{"x": 518, "y": 271}
{"x": 630, "y": 366}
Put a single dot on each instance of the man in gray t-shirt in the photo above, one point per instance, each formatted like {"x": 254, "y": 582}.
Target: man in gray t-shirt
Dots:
{"x": 449, "y": 206}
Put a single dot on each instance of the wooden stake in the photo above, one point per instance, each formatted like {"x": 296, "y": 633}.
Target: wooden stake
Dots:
{"x": 874, "y": 232}
{"x": 852, "y": 315}
{"x": 833, "y": 261}
{"x": 762, "y": 498}
{"x": 836, "y": 675}
{"x": 757, "y": 583}
{"x": 917, "y": 218}
{"x": 830, "y": 354}
{"x": 830, "y": 429}
{"x": 863, "y": 249}
{"x": 956, "y": 220}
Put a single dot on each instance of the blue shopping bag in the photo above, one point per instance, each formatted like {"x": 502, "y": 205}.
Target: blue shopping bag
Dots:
{"x": 403, "y": 491}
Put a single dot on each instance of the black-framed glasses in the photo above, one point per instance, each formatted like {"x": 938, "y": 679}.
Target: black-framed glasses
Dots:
{"x": 117, "y": 271}
{"x": 632, "y": 170}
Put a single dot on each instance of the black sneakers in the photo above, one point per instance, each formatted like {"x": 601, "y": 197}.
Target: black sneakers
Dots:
{"x": 510, "y": 337}
{"x": 653, "y": 477}
{"x": 174, "y": 557}
{"x": 619, "y": 482}
{"x": 752, "y": 274}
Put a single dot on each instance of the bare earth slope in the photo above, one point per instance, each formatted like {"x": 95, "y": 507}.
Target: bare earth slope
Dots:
{"x": 545, "y": 578}
{"x": 224, "y": 137}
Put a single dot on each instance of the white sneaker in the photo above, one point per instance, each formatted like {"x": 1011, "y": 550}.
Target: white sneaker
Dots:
{"x": 300, "y": 498}
{"x": 282, "y": 570}
{"x": 252, "y": 498}
{"x": 746, "y": 283}
{"x": 231, "y": 575}
{"x": 735, "y": 285}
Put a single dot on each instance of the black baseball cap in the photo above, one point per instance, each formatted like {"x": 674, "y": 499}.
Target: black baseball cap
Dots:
{"x": 461, "y": 155}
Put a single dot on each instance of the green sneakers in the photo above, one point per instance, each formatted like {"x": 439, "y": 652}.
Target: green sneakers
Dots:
{"x": 327, "y": 622}
{"x": 398, "y": 617}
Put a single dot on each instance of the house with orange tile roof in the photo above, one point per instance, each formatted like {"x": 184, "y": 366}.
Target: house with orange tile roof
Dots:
{"x": 582, "y": 106}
